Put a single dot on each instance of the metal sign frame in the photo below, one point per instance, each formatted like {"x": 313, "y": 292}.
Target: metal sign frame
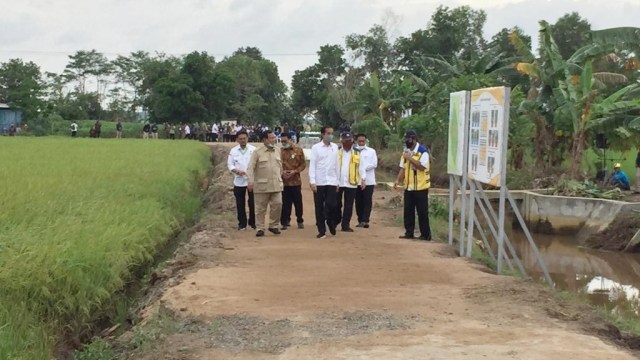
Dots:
{"x": 477, "y": 199}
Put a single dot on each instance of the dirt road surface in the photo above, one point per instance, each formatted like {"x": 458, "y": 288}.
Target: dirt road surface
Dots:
{"x": 361, "y": 295}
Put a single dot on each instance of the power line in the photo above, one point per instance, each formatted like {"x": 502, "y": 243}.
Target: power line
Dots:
{"x": 59, "y": 52}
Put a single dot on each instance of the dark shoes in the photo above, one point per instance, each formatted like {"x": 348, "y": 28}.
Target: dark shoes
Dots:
{"x": 260, "y": 233}
{"x": 360, "y": 224}
{"x": 332, "y": 230}
{"x": 274, "y": 231}
{"x": 425, "y": 238}
{"x": 347, "y": 230}
{"x": 407, "y": 236}
{"x": 321, "y": 236}
{"x": 366, "y": 225}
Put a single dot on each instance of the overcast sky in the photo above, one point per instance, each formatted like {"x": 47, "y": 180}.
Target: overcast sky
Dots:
{"x": 289, "y": 32}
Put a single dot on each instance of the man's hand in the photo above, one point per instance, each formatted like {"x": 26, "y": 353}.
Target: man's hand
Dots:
{"x": 363, "y": 184}
{"x": 407, "y": 156}
{"x": 250, "y": 187}
{"x": 314, "y": 188}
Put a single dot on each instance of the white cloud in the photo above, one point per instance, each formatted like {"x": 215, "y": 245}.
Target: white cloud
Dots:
{"x": 47, "y": 31}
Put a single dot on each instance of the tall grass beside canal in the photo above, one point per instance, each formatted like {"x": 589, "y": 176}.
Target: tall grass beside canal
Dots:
{"x": 76, "y": 218}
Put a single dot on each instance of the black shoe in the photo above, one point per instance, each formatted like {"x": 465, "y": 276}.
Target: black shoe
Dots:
{"x": 425, "y": 238}
{"x": 260, "y": 233}
{"x": 366, "y": 225}
{"x": 332, "y": 230}
{"x": 360, "y": 225}
{"x": 321, "y": 236}
{"x": 275, "y": 231}
{"x": 407, "y": 236}
{"x": 347, "y": 230}
{"x": 253, "y": 227}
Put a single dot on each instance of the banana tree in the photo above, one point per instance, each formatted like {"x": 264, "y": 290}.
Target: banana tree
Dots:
{"x": 543, "y": 78}
{"x": 570, "y": 90}
{"x": 582, "y": 101}
{"x": 385, "y": 100}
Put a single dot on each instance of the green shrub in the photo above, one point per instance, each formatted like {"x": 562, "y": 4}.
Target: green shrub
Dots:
{"x": 376, "y": 130}
{"x": 99, "y": 349}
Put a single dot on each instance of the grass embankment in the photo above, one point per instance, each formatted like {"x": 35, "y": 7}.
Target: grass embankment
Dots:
{"x": 78, "y": 217}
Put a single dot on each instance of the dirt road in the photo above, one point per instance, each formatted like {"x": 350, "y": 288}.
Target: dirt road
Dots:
{"x": 362, "y": 295}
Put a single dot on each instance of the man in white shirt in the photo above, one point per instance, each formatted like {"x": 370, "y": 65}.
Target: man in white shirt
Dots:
{"x": 74, "y": 129}
{"x": 214, "y": 132}
{"x": 237, "y": 163}
{"x": 351, "y": 175}
{"x": 364, "y": 197}
{"x": 323, "y": 179}
{"x": 187, "y": 132}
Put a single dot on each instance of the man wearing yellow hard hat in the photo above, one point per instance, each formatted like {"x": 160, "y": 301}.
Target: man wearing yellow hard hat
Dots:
{"x": 619, "y": 179}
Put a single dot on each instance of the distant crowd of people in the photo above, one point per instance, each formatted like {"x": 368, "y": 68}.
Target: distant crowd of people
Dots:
{"x": 202, "y": 131}
{"x": 14, "y": 130}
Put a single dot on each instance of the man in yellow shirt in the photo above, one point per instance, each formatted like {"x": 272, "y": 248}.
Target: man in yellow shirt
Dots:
{"x": 415, "y": 177}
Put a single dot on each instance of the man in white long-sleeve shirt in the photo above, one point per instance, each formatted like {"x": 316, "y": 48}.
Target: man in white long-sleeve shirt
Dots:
{"x": 323, "y": 179}
{"x": 364, "y": 197}
{"x": 351, "y": 176}
{"x": 237, "y": 163}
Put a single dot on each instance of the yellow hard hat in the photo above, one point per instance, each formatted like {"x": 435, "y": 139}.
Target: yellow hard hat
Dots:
{"x": 617, "y": 165}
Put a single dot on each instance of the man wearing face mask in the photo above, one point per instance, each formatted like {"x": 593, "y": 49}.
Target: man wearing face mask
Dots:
{"x": 323, "y": 180}
{"x": 414, "y": 175}
{"x": 265, "y": 181}
{"x": 351, "y": 175}
{"x": 364, "y": 197}
{"x": 293, "y": 163}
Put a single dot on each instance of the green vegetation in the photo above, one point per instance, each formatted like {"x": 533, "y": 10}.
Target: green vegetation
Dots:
{"x": 586, "y": 188}
{"x": 78, "y": 218}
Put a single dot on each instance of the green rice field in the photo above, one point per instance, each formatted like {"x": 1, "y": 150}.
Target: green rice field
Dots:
{"x": 77, "y": 216}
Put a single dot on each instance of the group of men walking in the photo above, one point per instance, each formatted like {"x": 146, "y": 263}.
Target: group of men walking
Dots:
{"x": 339, "y": 176}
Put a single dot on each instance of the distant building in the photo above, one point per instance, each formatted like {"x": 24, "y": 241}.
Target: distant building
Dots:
{"x": 9, "y": 117}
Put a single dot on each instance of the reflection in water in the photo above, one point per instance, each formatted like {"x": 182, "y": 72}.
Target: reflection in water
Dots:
{"x": 607, "y": 278}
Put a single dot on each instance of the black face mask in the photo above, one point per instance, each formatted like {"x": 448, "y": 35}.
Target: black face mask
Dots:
{"x": 409, "y": 144}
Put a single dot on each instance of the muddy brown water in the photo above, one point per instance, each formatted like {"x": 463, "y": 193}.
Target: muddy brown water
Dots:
{"x": 607, "y": 279}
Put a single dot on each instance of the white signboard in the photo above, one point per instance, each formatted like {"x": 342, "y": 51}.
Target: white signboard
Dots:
{"x": 488, "y": 135}
{"x": 458, "y": 114}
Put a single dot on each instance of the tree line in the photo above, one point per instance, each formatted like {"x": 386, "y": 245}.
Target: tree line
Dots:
{"x": 577, "y": 84}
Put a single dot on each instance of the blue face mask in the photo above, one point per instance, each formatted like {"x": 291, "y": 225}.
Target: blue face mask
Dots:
{"x": 328, "y": 138}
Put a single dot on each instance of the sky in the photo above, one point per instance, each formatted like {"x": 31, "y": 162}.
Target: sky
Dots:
{"x": 289, "y": 32}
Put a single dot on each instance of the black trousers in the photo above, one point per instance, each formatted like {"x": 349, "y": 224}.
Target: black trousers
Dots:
{"x": 416, "y": 201}
{"x": 291, "y": 196}
{"x": 343, "y": 215}
{"x": 364, "y": 203}
{"x": 325, "y": 202}
{"x": 240, "y": 193}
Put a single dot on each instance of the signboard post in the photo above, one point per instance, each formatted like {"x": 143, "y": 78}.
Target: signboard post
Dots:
{"x": 488, "y": 140}
{"x": 457, "y": 156}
